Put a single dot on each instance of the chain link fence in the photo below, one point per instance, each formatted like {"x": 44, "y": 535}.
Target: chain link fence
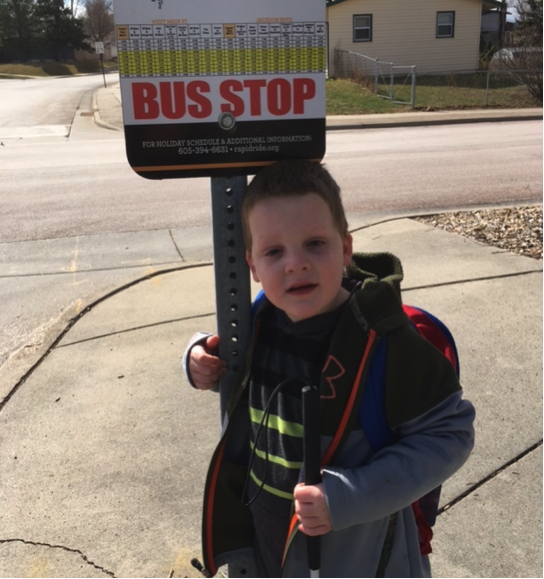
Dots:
{"x": 462, "y": 89}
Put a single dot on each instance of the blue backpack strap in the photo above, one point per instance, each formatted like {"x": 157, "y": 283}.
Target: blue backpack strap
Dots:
{"x": 372, "y": 408}
{"x": 257, "y": 303}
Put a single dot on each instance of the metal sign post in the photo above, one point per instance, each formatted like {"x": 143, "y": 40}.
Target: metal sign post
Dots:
{"x": 232, "y": 284}
{"x": 99, "y": 48}
{"x": 221, "y": 89}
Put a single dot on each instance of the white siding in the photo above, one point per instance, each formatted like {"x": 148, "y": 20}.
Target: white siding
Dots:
{"x": 404, "y": 32}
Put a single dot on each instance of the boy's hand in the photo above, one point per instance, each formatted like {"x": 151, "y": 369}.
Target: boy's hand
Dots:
{"x": 205, "y": 367}
{"x": 312, "y": 510}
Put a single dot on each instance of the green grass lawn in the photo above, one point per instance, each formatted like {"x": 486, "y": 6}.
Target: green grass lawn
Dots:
{"x": 345, "y": 97}
{"x": 466, "y": 92}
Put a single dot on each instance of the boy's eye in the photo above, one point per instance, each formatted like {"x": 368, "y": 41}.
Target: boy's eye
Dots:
{"x": 272, "y": 252}
{"x": 316, "y": 243}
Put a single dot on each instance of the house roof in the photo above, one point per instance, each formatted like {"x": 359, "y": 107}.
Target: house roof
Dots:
{"x": 493, "y": 4}
{"x": 486, "y": 3}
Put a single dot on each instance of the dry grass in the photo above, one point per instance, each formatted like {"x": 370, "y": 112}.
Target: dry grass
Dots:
{"x": 50, "y": 68}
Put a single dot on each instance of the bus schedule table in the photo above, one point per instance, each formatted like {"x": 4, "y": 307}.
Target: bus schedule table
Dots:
{"x": 162, "y": 50}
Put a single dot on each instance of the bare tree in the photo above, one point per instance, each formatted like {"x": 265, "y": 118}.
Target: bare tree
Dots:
{"x": 74, "y": 7}
{"x": 523, "y": 60}
{"x": 98, "y": 20}
{"x": 529, "y": 26}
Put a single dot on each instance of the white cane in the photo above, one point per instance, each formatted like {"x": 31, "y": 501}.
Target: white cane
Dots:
{"x": 312, "y": 463}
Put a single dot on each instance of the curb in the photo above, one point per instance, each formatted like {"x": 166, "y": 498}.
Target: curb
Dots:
{"x": 339, "y": 126}
{"x": 430, "y": 118}
{"x": 96, "y": 115}
{"x": 64, "y": 322}
{"x": 429, "y": 122}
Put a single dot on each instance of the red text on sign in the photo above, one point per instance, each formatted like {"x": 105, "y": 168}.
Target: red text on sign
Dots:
{"x": 279, "y": 95}
{"x": 253, "y": 97}
{"x": 175, "y": 100}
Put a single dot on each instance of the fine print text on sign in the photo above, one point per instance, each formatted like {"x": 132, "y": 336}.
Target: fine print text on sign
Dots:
{"x": 207, "y": 98}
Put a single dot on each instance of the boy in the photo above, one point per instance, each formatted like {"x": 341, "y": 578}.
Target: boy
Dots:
{"x": 317, "y": 326}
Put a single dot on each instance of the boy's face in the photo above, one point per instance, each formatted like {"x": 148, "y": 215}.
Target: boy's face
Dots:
{"x": 298, "y": 255}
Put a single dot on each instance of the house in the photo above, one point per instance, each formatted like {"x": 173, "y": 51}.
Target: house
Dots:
{"x": 434, "y": 35}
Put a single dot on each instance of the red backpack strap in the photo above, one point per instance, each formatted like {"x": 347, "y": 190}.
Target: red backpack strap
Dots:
{"x": 435, "y": 332}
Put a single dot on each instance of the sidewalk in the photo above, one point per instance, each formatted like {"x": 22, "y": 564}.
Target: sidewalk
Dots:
{"x": 106, "y": 447}
{"x": 108, "y": 113}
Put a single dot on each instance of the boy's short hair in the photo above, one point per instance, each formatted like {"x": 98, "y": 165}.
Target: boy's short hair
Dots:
{"x": 293, "y": 178}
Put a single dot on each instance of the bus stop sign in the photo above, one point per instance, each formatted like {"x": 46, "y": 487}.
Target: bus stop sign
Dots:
{"x": 221, "y": 88}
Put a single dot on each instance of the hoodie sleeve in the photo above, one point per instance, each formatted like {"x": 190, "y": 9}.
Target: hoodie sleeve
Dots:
{"x": 431, "y": 448}
{"x": 196, "y": 339}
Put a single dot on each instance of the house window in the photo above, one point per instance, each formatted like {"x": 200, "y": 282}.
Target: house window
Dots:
{"x": 362, "y": 28}
{"x": 445, "y": 23}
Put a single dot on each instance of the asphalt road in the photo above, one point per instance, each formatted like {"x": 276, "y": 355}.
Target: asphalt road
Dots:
{"x": 47, "y": 100}
{"x": 63, "y": 187}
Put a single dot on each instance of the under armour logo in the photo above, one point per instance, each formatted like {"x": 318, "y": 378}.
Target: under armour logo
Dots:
{"x": 334, "y": 370}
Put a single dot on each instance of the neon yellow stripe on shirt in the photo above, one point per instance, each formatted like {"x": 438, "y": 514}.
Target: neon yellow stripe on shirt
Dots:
{"x": 275, "y": 422}
{"x": 271, "y": 490}
{"x": 276, "y": 459}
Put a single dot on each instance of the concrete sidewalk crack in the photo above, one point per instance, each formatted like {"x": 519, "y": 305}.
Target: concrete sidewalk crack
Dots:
{"x": 472, "y": 280}
{"x": 169, "y": 264}
{"x": 137, "y": 328}
{"x": 176, "y": 245}
{"x": 489, "y": 477}
{"x": 63, "y": 548}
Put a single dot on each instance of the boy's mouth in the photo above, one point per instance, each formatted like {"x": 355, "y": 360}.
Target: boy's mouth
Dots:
{"x": 301, "y": 288}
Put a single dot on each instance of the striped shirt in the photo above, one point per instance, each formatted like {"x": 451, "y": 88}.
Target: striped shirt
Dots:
{"x": 284, "y": 350}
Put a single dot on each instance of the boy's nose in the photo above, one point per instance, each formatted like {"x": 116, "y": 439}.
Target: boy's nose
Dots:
{"x": 296, "y": 261}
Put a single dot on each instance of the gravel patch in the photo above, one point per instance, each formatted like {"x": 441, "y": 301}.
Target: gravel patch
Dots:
{"x": 515, "y": 229}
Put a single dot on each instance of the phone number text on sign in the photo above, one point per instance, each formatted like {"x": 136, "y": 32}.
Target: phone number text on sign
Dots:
{"x": 228, "y": 145}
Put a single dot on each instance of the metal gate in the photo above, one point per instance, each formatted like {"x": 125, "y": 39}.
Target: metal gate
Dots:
{"x": 393, "y": 82}
{"x": 396, "y": 83}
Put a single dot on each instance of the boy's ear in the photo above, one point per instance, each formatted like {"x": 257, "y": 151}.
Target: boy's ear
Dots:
{"x": 252, "y": 267}
{"x": 347, "y": 248}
